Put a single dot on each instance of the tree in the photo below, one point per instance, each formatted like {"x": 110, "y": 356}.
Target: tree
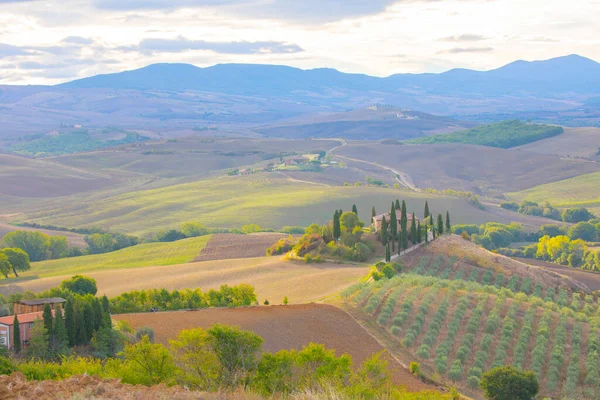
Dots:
{"x": 38, "y": 344}
{"x": 336, "y": 225}
{"x": 576, "y": 215}
{"x": 152, "y": 363}
{"x": 105, "y": 304}
{"x": 397, "y": 205}
{"x": 509, "y": 383}
{"x": 584, "y": 231}
{"x": 5, "y": 266}
{"x": 80, "y": 284}
{"x": 19, "y": 260}
{"x": 58, "y": 246}
{"x": 285, "y": 301}
{"x": 354, "y": 209}
{"x": 404, "y": 216}
{"x": 58, "y": 337}
{"x": 393, "y": 223}
{"x": 387, "y": 252}
{"x": 419, "y": 232}
{"x": 35, "y": 244}
{"x": 413, "y": 230}
{"x": 448, "y": 226}
{"x": 348, "y": 221}
{"x": 16, "y": 335}
{"x": 383, "y": 231}
{"x": 89, "y": 322}
{"x": 400, "y": 242}
{"x": 70, "y": 323}
{"x": 48, "y": 318}
{"x": 440, "y": 224}
{"x": 98, "y": 313}
{"x": 237, "y": 351}
{"x": 80, "y": 329}
{"x": 426, "y": 214}
{"x": 193, "y": 355}
{"x": 373, "y": 213}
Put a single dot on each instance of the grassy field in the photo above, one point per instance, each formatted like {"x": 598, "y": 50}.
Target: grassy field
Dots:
{"x": 273, "y": 278}
{"x": 268, "y": 199}
{"x": 478, "y": 169}
{"x": 581, "y": 191}
{"x": 143, "y": 255}
{"x": 575, "y": 142}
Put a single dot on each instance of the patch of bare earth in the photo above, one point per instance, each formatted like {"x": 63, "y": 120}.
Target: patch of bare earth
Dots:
{"x": 588, "y": 278}
{"x": 229, "y": 246}
{"x": 283, "y": 327}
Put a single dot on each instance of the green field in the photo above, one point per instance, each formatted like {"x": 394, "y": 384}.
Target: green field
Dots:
{"x": 581, "y": 191}
{"x": 143, "y": 255}
{"x": 269, "y": 200}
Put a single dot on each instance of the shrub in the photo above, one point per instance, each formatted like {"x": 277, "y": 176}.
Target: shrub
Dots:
{"x": 415, "y": 368}
{"x": 282, "y": 246}
{"x": 504, "y": 383}
{"x": 473, "y": 381}
{"x": 144, "y": 331}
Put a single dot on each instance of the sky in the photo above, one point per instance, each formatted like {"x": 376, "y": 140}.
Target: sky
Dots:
{"x": 49, "y": 42}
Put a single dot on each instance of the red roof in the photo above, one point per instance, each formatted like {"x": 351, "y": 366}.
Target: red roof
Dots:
{"x": 23, "y": 318}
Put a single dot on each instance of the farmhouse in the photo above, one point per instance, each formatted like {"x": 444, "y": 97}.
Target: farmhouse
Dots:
{"x": 37, "y": 305}
{"x": 378, "y": 218}
{"x": 26, "y": 322}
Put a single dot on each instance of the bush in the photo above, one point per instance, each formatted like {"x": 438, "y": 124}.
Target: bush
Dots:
{"x": 294, "y": 230}
{"x": 6, "y": 366}
{"x": 473, "y": 381}
{"x": 509, "y": 383}
{"x": 144, "y": 331}
{"x": 282, "y": 246}
{"x": 80, "y": 284}
{"x": 415, "y": 368}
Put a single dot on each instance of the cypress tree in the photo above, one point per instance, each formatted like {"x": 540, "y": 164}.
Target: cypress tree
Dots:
{"x": 383, "y": 232}
{"x": 80, "y": 333}
{"x": 88, "y": 322}
{"x": 59, "y": 340}
{"x": 404, "y": 238}
{"x": 426, "y": 213}
{"x": 105, "y": 304}
{"x": 47, "y": 317}
{"x": 419, "y": 233}
{"x": 440, "y": 222}
{"x": 393, "y": 223}
{"x": 354, "y": 209}
{"x": 399, "y": 242}
{"x": 426, "y": 234}
{"x": 397, "y": 204}
{"x": 98, "y": 314}
{"x": 387, "y": 252}
{"x": 16, "y": 335}
{"x": 403, "y": 216}
{"x": 336, "y": 225}
{"x": 70, "y": 323}
{"x": 373, "y": 213}
{"x": 448, "y": 226}
{"x": 413, "y": 230}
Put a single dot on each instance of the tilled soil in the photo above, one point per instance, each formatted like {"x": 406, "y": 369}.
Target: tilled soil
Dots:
{"x": 283, "y": 327}
{"x": 229, "y": 246}
{"x": 588, "y": 278}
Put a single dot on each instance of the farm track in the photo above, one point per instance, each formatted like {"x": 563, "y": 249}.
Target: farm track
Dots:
{"x": 284, "y": 327}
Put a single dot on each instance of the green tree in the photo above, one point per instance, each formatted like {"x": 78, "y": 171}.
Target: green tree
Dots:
{"x": 194, "y": 356}
{"x": 582, "y": 230}
{"x": 404, "y": 217}
{"x": 70, "y": 323}
{"x": 354, "y": 209}
{"x": 285, "y": 301}
{"x": 426, "y": 214}
{"x": 448, "y": 226}
{"x": 440, "y": 224}
{"x": 80, "y": 328}
{"x": 89, "y": 322}
{"x": 38, "y": 344}
{"x": 348, "y": 221}
{"x": 48, "y": 318}
{"x": 419, "y": 232}
{"x": 393, "y": 223}
{"x": 413, "y": 230}
{"x": 58, "y": 246}
{"x": 105, "y": 304}
{"x": 80, "y": 284}
{"x": 16, "y": 335}
{"x": 336, "y": 226}
{"x": 150, "y": 363}
{"x": 5, "y": 266}
{"x": 509, "y": 383}
{"x": 387, "y": 252}
{"x": 58, "y": 339}
{"x": 98, "y": 313}
{"x": 19, "y": 260}
{"x": 35, "y": 244}
{"x": 237, "y": 351}
{"x": 383, "y": 231}
{"x": 373, "y": 213}
{"x": 397, "y": 207}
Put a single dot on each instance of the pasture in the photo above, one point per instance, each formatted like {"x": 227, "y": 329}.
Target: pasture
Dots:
{"x": 273, "y": 278}
{"x": 283, "y": 327}
{"x": 575, "y": 142}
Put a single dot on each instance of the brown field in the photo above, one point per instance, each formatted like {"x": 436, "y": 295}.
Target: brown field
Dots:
{"x": 283, "y": 327}
{"x": 228, "y": 246}
{"x": 590, "y": 279}
{"x": 575, "y": 142}
{"x": 75, "y": 239}
{"x": 465, "y": 167}
{"x": 273, "y": 278}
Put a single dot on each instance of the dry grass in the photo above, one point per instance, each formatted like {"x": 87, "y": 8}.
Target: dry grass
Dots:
{"x": 273, "y": 278}
{"x": 575, "y": 142}
{"x": 228, "y": 246}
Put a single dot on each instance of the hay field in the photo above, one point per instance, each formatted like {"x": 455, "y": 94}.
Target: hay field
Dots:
{"x": 465, "y": 167}
{"x": 268, "y": 199}
{"x": 273, "y": 278}
{"x": 283, "y": 327}
{"x": 143, "y": 255}
{"x": 575, "y": 142}
{"x": 581, "y": 191}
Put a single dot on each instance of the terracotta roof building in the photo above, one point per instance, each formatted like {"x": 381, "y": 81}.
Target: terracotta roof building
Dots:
{"x": 378, "y": 218}
{"x": 26, "y": 322}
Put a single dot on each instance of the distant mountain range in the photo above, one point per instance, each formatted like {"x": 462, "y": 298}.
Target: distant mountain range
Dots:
{"x": 175, "y": 98}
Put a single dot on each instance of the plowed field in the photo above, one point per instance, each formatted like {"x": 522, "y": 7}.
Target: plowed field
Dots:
{"x": 228, "y": 246}
{"x": 282, "y": 327}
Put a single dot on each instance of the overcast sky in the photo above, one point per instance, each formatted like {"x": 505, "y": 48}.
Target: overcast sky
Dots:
{"x": 48, "y": 42}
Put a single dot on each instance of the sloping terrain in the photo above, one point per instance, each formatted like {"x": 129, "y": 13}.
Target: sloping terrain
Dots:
{"x": 283, "y": 327}
{"x": 229, "y": 246}
{"x": 589, "y": 278}
{"x": 466, "y": 167}
{"x": 575, "y": 142}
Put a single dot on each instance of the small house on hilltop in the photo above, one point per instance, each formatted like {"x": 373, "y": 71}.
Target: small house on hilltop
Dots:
{"x": 37, "y": 305}
{"x": 379, "y": 218}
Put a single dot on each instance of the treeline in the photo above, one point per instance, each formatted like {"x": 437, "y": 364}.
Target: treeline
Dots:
{"x": 194, "y": 229}
{"x": 572, "y": 215}
{"x": 504, "y": 135}
{"x": 227, "y": 359}
{"x": 161, "y": 299}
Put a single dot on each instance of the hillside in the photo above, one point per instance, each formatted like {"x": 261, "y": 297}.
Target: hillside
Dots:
{"x": 170, "y": 98}
{"x": 505, "y": 135}
{"x": 457, "y": 318}
{"x": 575, "y": 142}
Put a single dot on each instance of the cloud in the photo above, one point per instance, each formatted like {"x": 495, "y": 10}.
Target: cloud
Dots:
{"x": 460, "y": 50}
{"x": 8, "y": 50}
{"x": 467, "y": 37}
{"x": 77, "y": 40}
{"x": 182, "y": 44}
{"x": 319, "y": 11}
